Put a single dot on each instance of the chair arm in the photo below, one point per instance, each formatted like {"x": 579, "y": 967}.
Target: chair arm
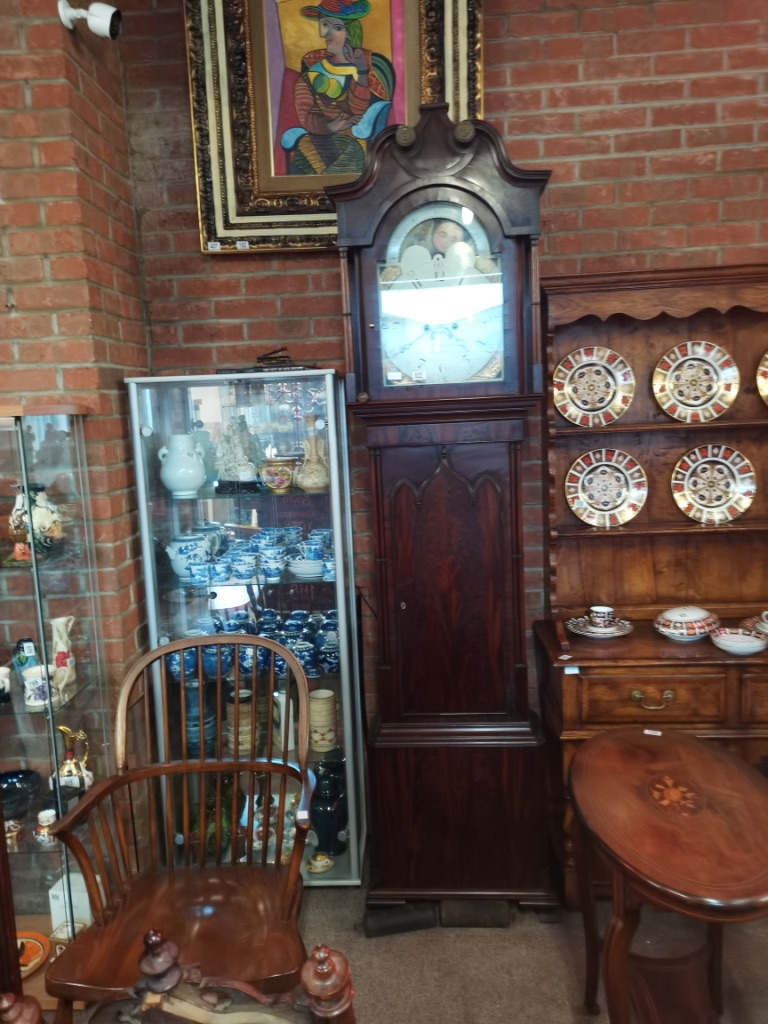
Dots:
{"x": 84, "y": 806}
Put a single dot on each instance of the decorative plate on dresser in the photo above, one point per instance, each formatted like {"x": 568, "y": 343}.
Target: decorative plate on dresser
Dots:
{"x": 696, "y": 382}
{"x": 714, "y": 484}
{"x": 606, "y": 487}
{"x": 593, "y": 386}
{"x": 762, "y": 378}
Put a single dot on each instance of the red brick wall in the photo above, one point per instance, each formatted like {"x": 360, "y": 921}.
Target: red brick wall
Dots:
{"x": 73, "y": 322}
{"x": 653, "y": 117}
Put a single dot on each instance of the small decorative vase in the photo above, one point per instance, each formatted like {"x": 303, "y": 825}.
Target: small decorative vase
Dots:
{"x": 183, "y": 469}
{"x": 326, "y": 815}
{"x": 63, "y": 658}
{"x": 72, "y": 770}
{"x": 277, "y": 473}
{"x": 217, "y": 659}
{"x": 313, "y": 475}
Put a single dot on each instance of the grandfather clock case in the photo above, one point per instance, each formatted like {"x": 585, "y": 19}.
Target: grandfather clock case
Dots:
{"x": 438, "y": 243}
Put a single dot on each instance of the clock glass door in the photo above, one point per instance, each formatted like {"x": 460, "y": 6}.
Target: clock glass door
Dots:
{"x": 440, "y": 300}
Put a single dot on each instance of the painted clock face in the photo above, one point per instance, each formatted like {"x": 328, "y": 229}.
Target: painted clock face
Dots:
{"x": 441, "y": 301}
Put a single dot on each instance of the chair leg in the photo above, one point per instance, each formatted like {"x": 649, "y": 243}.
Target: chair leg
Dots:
{"x": 64, "y": 1012}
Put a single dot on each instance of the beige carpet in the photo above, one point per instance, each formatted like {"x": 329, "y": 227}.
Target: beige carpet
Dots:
{"x": 529, "y": 972}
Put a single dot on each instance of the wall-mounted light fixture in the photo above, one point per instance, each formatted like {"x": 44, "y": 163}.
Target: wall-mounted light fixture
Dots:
{"x": 102, "y": 19}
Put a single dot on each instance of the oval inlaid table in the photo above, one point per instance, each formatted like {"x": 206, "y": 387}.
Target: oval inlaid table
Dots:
{"x": 683, "y": 826}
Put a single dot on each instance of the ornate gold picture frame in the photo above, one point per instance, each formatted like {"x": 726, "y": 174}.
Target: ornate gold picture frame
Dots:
{"x": 261, "y": 70}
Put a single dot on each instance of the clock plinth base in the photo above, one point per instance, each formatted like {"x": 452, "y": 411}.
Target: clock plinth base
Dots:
{"x": 452, "y": 815}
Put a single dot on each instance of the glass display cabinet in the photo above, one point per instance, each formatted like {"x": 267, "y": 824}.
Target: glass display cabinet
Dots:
{"x": 53, "y": 712}
{"x": 246, "y": 528}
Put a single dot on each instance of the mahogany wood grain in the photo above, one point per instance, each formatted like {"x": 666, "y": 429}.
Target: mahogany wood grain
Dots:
{"x": 326, "y": 979}
{"x": 455, "y": 762}
{"x": 595, "y": 686}
{"x": 453, "y": 736}
{"x": 683, "y": 826}
{"x": 647, "y": 294}
{"x": 440, "y": 800}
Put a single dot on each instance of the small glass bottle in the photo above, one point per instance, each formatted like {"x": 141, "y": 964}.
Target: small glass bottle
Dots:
{"x": 43, "y": 835}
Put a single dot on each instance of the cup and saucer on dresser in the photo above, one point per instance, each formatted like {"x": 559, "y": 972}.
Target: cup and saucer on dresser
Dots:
{"x": 599, "y": 624}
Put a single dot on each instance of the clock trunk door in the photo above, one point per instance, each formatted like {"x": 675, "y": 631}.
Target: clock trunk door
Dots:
{"x": 451, "y": 529}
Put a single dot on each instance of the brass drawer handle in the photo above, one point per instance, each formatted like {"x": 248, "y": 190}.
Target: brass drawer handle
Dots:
{"x": 638, "y": 697}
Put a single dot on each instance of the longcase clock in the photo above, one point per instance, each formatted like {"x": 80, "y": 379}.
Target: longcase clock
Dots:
{"x": 438, "y": 242}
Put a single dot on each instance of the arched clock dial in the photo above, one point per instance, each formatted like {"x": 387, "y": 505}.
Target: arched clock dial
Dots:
{"x": 441, "y": 300}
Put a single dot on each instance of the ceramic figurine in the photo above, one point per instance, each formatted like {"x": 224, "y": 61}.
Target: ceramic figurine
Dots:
{"x": 46, "y": 524}
{"x": 239, "y": 452}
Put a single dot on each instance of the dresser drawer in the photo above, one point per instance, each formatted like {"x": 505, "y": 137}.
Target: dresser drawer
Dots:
{"x": 754, "y": 698}
{"x": 653, "y": 697}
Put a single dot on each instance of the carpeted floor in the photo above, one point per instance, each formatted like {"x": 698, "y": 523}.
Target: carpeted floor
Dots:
{"x": 529, "y": 972}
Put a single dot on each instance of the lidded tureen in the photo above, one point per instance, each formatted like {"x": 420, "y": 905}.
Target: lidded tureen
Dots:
{"x": 686, "y": 622}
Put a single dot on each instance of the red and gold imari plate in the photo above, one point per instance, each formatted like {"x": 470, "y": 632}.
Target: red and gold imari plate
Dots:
{"x": 713, "y": 484}
{"x": 762, "y": 378}
{"x": 593, "y": 386}
{"x": 696, "y": 382}
{"x": 606, "y": 487}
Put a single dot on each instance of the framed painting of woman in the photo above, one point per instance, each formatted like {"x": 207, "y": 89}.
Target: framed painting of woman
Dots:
{"x": 288, "y": 95}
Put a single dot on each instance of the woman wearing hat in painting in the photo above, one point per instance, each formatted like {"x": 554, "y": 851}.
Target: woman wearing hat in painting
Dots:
{"x": 342, "y": 95}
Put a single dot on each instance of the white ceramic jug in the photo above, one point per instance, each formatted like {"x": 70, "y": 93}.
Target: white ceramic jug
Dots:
{"x": 183, "y": 469}
{"x": 61, "y": 647}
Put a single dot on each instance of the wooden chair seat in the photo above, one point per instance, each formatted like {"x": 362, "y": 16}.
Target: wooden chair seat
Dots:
{"x": 203, "y": 748}
{"x": 244, "y": 905}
